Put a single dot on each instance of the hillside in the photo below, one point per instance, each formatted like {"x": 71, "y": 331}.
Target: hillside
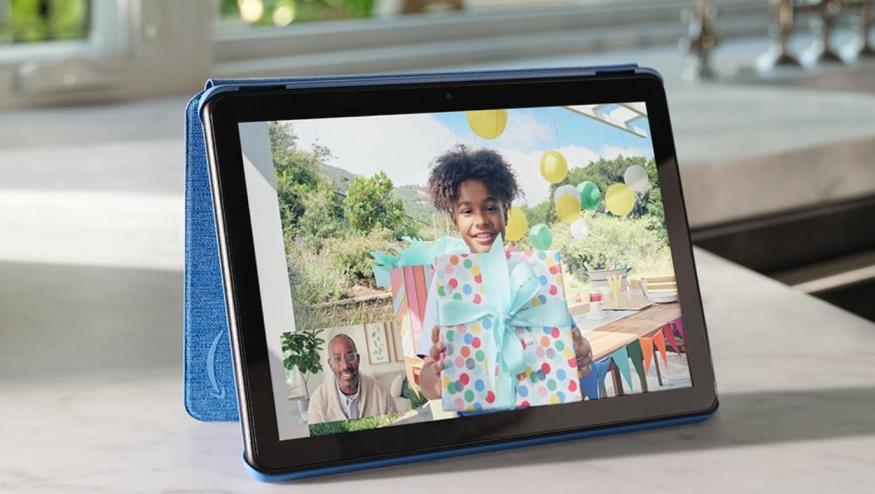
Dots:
{"x": 414, "y": 197}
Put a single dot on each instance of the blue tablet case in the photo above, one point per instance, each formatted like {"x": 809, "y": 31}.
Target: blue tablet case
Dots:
{"x": 208, "y": 370}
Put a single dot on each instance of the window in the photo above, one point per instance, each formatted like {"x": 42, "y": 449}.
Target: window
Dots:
{"x": 28, "y": 21}
{"x": 63, "y": 51}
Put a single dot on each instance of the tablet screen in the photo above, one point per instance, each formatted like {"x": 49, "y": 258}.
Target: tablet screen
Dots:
{"x": 530, "y": 242}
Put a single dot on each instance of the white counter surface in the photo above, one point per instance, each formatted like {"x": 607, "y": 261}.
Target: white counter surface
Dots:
{"x": 101, "y": 410}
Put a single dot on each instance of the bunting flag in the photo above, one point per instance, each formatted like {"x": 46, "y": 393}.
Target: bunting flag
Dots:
{"x": 647, "y": 352}
{"x": 635, "y": 354}
{"x": 668, "y": 331}
{"x": 659, "y": 341}
{"x": 593, "y": 382}
{"x": 679, "y": 325}
{"x": 621, "y": 360}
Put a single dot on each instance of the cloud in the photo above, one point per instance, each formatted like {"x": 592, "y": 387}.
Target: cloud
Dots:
{"x": 612, "y": 152}
{"x": 525, "y": 131}
{"x": 403, "y": 146}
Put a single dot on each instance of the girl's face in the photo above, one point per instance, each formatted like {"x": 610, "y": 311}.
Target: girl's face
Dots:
{"x": 478, "y": 215}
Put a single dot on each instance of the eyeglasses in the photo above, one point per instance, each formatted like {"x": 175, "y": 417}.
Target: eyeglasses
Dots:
{"x": 349, "y": 357}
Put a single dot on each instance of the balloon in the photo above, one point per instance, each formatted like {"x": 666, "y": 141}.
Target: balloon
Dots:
{"x": 568, "y": 208}
{"x": 619, "y": 199}
{"x": 517, "y": 224}
{"x": 636, "y": 179}
{"x": 487, "y": 124}
{"x": 579, "y": 230}
{"x": 541, "y": 237}
{"x": 563, "y": 191}
{"x": 590, "y": 195}
{"x": 553, "y": 166}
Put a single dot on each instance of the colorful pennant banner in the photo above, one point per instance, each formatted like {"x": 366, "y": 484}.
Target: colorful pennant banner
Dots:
{"x": 679, "y": 325}
{"x": 621, "y": 360}
{"x": 659, "y": 341}
{"x": 637, "y": 358}
{"x": 646, "y": 344}
{"x": 668, "y": 331}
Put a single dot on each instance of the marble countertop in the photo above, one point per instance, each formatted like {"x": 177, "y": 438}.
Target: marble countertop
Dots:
{"x": 91, "y": 401}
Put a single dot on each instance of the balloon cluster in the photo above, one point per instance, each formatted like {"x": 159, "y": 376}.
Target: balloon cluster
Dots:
{"x": 569, "y": 201}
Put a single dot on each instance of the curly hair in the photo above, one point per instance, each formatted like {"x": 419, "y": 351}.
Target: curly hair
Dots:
{"x": 459, "y": 164}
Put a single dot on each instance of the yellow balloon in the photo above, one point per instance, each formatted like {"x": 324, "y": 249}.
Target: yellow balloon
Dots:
{"x": 553, "y": 166}
{"x": 517, "y": 224}
{"x": 620, "y": 199}
{"x": 568, "y": 208}
{"x": 487, "y": 124}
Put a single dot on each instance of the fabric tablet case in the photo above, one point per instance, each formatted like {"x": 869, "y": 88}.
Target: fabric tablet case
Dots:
{"x": 209, "y": 386}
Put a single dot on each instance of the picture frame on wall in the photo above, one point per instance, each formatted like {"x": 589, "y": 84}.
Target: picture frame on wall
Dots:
{"x": 379, "y": 347}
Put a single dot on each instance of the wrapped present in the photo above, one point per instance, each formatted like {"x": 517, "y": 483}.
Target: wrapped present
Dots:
{"x": 407, "y": 273}
{"x": 507, "y": 330}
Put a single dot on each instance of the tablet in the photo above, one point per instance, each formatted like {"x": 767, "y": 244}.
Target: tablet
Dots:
{"x": 419, "y": 266}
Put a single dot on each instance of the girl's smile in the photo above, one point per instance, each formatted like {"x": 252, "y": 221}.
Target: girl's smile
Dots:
{"x": 478, "y": 215}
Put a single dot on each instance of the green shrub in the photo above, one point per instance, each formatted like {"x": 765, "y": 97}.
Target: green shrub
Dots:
{"x": 351, "y": 254}
{"x": 313, "y": 280}
{"x": 613, "y": 242}
{"x": 322, "y": 217}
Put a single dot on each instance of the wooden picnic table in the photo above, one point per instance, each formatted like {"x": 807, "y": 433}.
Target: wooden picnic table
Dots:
{"x": 614, "y": 335}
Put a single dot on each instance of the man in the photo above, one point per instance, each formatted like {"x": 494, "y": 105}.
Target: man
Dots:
{"x": 351, "y": 395}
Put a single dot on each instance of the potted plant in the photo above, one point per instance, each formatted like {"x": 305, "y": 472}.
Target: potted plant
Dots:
{"x": 301, "y": 352}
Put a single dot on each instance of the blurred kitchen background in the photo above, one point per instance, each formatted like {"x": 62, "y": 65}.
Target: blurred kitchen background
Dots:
{"x": 773, "y": 109}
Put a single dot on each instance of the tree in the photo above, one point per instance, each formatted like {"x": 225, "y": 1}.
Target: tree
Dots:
{"x": 370, "y": 204}
{"x": 542, "y": 213}
{"x": 322, "y": 217}
{"x": 607, "y": 172}
{"x": 298, "y": 172}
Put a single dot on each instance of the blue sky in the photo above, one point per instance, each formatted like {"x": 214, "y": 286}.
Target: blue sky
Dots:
{"x": 552, "y": 128}
{"x": 404, "y": 146}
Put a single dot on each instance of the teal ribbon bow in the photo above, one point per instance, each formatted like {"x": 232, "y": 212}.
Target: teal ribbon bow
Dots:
{"x": 416, "y": 254}
{"x": 506, "y": 300}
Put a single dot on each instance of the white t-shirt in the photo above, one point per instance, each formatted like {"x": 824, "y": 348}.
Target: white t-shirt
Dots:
{"x": 349, "y": 403}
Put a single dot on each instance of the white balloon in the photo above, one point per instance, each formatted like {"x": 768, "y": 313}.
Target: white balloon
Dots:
{"x": 636, "y": 179}
{"x": 579, "y": 230}
{"x": 565, "y": 190}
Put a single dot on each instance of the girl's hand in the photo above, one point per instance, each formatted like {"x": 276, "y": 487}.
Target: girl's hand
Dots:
{"x": 584, "y": 353}
{"x": 430, "y": 377}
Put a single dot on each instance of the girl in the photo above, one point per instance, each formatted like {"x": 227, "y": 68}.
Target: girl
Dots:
{"x": 476, "y": 189}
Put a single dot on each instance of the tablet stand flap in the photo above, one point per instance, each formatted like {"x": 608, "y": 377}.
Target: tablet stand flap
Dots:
{"x": 209, "y": 389}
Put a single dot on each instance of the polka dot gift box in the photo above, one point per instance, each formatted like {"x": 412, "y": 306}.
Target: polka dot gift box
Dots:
{"x": 507, "y": 331}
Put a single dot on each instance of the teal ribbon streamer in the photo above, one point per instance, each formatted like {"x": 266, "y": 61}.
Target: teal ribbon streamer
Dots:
{"x": 417, "y": 253}
{"x": 506, "y": 300}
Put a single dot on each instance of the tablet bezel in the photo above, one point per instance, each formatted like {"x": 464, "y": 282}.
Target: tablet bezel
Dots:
{"x": 225, "y": 110}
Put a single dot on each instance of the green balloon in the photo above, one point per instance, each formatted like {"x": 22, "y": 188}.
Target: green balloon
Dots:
{"x": 590, "y": 195}
{"x": 541, "y": 237}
